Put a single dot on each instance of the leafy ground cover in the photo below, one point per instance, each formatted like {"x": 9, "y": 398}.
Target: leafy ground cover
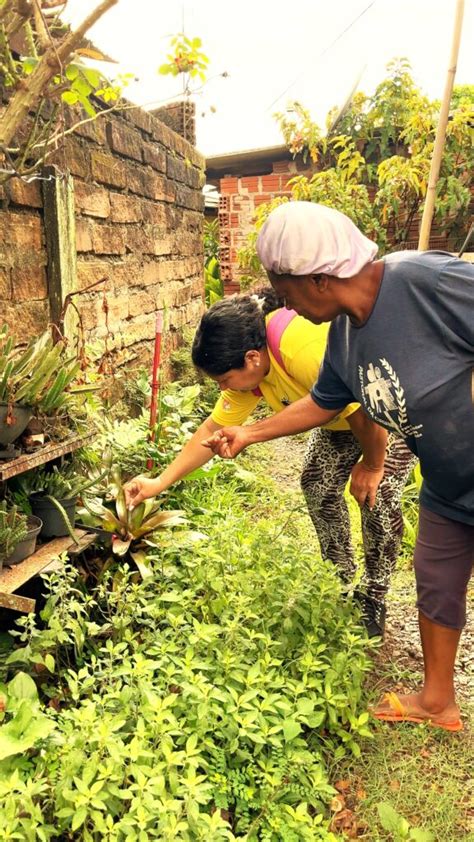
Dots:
{"x": 204, "y": 703}
{"x": 221, "y": 698}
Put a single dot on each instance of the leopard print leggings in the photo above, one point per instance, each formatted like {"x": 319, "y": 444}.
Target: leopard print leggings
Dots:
{"x": 329, "y": 459}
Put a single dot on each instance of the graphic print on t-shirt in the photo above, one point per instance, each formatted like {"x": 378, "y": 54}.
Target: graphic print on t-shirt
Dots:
{"x": 384, "y": 398}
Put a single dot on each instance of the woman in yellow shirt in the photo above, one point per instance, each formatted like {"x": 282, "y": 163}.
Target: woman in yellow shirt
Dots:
{"x": 255, "y": 349}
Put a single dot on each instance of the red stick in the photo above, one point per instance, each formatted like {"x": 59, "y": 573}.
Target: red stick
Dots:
{"x": 155, "y": 381}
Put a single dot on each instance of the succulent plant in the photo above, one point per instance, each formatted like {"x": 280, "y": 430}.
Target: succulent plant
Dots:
{"x": 13, "y": 528}
{"x": 39, "y": 375}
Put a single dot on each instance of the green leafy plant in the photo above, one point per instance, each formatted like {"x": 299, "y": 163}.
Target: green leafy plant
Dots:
{"x": 374, "y": 161}
{"x": 400, "y": 828}
{"x": 40, "y": 375}
{"x": 213, "y": 286}
{"x": 23, "y": 724}
{"x": 186, "y": 57}
{"x": 13, "y": 529}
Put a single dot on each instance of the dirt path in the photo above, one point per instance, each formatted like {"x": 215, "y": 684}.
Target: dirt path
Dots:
{"x": 401, "y": 654}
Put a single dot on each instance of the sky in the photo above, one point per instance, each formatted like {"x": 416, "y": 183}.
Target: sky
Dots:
{"x": 312, "y": 51}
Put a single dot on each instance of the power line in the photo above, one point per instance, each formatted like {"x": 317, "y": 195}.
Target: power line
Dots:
{"x": 326, "y": 50}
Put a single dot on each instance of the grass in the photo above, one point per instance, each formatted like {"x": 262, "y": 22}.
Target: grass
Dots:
{"x": 425, "y": 774}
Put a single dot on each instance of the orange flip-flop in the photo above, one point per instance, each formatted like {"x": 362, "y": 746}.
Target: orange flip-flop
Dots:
{"x": 398, "y": 713}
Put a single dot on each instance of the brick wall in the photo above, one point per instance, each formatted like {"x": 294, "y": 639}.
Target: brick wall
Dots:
{"x": 138, "y": 218}
{"x": 239, "y": 199}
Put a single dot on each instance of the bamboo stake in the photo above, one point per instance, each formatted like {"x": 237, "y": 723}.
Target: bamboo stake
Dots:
{"x": 427, "y": 218}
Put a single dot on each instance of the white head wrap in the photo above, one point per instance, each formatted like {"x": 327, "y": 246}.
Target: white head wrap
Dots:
{"x": 302, "y": 238}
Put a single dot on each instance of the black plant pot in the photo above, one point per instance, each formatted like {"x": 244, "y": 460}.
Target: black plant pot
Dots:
{"x": 54, "y": 525}
{"x": 21, "y": 415}
{"x": 27, "y": 546}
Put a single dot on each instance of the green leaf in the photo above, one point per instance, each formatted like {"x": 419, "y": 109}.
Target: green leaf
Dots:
{"x": 79, "y": 818}
{"x": 49, "y": 662}
{"x": 22, "y": 686}
{"x": 418, "y": 835}
{"x": 70, "y": 97}
{"x": 291, "y": 729}
{"x": 389, "y": 818}
{"x": 72, "y": 72}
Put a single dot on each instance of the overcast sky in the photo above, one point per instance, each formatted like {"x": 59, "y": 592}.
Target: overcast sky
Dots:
{"x": 275, "y": 52}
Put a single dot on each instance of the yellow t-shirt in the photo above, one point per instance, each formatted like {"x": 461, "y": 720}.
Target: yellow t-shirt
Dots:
{"x": 302, "y": 348}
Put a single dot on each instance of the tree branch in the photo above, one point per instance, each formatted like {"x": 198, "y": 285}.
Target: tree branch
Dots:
{"x": 25, "y": 97}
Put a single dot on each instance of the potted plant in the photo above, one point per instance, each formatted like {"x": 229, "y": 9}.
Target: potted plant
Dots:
{"x": 51, "y": 494}
{"x": 37, "y": 378}
{"x": 18, "y": 534}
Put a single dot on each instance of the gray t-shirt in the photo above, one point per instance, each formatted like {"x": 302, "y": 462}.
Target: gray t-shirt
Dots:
{"x": 411, "y": 367}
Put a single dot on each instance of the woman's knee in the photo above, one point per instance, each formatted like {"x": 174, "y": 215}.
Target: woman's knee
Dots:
{"x": 443, "y": 565}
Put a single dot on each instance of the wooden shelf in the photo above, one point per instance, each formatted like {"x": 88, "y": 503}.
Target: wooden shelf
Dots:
{"x": 54, "y": 450}
{"x": 47, "y": 558}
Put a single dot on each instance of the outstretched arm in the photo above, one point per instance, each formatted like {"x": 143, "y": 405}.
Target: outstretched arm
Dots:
{"x": 300, "y": 416}
{"x": 192, "y": 456}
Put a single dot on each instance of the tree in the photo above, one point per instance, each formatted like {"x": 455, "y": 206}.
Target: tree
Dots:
{"x": 384, "y": 143}
{"x": 41, "y": 69}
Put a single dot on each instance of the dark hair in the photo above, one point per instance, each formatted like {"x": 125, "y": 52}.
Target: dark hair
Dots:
{"x": 230, "y": 328}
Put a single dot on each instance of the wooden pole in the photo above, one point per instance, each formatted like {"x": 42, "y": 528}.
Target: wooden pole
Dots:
{"x": 427, "y": 218}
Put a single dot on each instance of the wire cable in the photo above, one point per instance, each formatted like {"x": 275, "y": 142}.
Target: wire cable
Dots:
{"x": 323, "y": 53}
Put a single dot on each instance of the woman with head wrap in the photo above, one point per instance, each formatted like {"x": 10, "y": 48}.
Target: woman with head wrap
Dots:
{"x": 255, "y": 349}
{"x": 401, "y": 343}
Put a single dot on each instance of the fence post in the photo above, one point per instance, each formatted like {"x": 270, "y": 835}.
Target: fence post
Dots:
{"x": 60, "y": 230}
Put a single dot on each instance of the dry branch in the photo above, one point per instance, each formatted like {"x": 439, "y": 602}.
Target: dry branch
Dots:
{"x": 26, "y": 96}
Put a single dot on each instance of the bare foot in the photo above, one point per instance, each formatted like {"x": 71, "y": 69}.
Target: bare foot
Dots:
{"x": 411, "y": 705}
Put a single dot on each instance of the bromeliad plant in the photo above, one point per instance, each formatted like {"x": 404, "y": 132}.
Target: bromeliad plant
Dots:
{"x": 132, "y": 530}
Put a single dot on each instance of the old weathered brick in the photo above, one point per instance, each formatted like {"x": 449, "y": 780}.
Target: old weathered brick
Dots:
{"x": 91, "y": 200}
{"x": 5, "y": 284}
{"x": 140, "y": 118}
{"x": 158, "y": 214}
{"x": 75, "y": 156}
{"x": 91, "y": 308}
{"x": 93, "y": 130}
{"x": 155, "y": 156}
{"x": 140, "y": 239}
{"x": 83, "y": 235}
{"x": 29, "y": 284}
{"x": 175, "y": 168}
{"x": 108, "y": 170}
{"x": 194, "y": 177}
{"x": 125, "y": 208}
{"x": 159, "y": 188}
{"x": 28, "y": 319}
{"x": 135, "y": 177}
{"x": 154, "y": 272}
{"x": 25, "y": 193}
{"x": 137, "y": 329}
{"x": 141, "y": 301}
{"x": 124, "y": 141}
{"x": 189, "y": 198}
{"x": 90, "y": 271}
{"x": 162, "y": 243}
{"x": 19, "y": 232}
{"x": 108, "y": 239}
